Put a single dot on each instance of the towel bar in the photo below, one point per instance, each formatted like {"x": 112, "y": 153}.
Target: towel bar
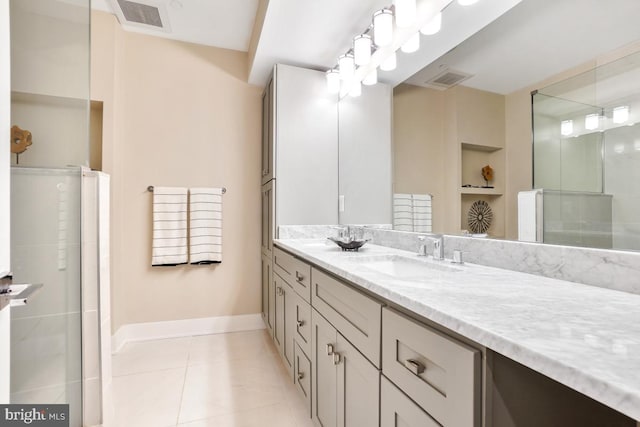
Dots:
{"x": 150, "y": 189}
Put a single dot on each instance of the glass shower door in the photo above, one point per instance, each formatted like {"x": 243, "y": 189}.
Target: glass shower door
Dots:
{"x": 50, "y": 69}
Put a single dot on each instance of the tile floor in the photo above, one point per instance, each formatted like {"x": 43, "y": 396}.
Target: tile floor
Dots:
{"x": 223, "y": 380}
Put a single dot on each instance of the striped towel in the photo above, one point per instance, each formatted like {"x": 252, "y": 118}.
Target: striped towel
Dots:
{"x": 412, "y": 212}
{"x": 205, "y": 225}
{"x": 169, "y": 226}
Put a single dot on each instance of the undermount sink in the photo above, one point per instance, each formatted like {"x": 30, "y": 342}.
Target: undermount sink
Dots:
{"x": 404, "y": 267}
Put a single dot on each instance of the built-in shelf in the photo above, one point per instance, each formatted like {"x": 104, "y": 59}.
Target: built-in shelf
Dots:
{"x": 478, "y": 147}
{"x": 483, "y": 191}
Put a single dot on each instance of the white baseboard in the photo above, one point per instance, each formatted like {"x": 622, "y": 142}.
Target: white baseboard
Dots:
{"x": 184, "y": 328}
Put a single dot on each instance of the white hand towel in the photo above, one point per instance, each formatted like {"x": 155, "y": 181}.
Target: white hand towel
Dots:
{"x": 169, "y": 226}
{"x": 205, "y": 225}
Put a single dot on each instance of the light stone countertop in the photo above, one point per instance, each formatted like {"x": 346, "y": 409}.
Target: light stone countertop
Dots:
{"x": 585, "y": 337}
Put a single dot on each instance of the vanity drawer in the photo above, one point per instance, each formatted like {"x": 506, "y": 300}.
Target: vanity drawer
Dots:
{"x": 438, "y": 372}
{"x": 295, "y": 271}
{"x": 397, "y": 410}
{"x": 303, "y": 324}
{"x": 354, "y": 314}
{"x": 302, "y": 376}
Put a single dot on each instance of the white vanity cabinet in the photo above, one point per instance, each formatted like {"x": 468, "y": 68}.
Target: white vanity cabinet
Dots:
{"x": 345, "y": 384}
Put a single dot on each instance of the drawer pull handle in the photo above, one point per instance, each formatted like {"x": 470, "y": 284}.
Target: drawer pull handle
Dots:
{"x": 299, "y": 277}
{"x": 280, "y": 291}
{"x": 414, "y": 366}
{"x": 336, "y": 358}
{"x": 329, "y": 349}
{"x": 300, "y": 375}
{"x": 300, "y": 323}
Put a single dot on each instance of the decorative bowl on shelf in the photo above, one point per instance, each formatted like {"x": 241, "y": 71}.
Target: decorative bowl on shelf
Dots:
{"x": 348, "y": 244}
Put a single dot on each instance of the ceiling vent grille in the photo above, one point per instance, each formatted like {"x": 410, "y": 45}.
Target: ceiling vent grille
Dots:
{"x": 448, "y": 78}
{"x": 140, "y": 13}
{"x": 147, "y": 14}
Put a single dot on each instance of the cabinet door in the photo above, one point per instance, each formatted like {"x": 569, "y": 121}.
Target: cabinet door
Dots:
{"x": 303, "y": 324}
{"x": 302, "y": 376}
{"x": 358, "y": 387}
{"x": 267, "y": 132}
{"x": 267, "y": 293}
{"x": 323, "y": 379}
{"x": 285, "y": 320}
{"x": 399, "y": 411}
{"x": 268, "y": 214}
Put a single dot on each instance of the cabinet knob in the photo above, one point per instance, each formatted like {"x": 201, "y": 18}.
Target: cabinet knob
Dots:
{"x": 300, "y": 323}
{"x": 336, "y": 358}
{"x": 414, "y": 366}
{"x": 329, "y": 349}
{"x": 300, "y": 375}
{"x": 299, "y": 277}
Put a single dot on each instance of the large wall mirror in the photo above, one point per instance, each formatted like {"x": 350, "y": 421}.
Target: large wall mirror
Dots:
{"x": 533, "y": 95}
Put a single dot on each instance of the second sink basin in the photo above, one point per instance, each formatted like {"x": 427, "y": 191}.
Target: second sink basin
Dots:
{"x": 404, "y": 267}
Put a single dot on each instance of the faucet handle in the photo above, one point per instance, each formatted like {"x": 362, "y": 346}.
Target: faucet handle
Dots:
{"x": 457, "y": 257}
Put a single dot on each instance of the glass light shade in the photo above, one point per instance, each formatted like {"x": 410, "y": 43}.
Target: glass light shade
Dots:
{"x": 362, "y": 49}
{"x": 383, "y": 27}
{"x": 467, "y": 2}
{"x": 346, "y": 66}
{"x": 432, "y": 27}
{"x": 389, "y": 64}
{"x": 591, "y": 121}
{"x": 620, "y": 114}
{"x": 411, "y": 45}
{"x": 356, "y": 89}
{"x": 405, "y": 11}
{"x": 371, "y": 78}
{"x": 566, "y": 127}
{"x": 333, "y": 81}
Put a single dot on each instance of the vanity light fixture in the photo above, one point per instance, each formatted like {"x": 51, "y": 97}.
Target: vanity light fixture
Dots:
{"x": 333, "y": 81}
{"x": 566, "y": 127}
{"x": 433, "y": 27}
{"x": 411, "y": 45}
{"x": 405, "y": 11}
{"x": 356, "y": 89}
{"x": 347, "y": 67}
{"x": 466, "y": 2}
{"x": 371, "y": 79}
{"x": 362, "y": 49}
{"x": 592, "y": 121}
{"x": 383, "y": 27}
{"x": 389, "y": 64}
{"x": 620, "y": 114}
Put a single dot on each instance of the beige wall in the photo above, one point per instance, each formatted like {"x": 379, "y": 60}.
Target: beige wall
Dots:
{"x": 177, "y": 114}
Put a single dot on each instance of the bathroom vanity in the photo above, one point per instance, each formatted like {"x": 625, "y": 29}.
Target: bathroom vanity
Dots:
{"x": 386, "y": 337}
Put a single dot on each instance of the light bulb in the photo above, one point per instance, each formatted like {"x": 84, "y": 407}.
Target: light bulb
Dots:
{"x": 362, "y": 49}
{"x": 432, "y": 27}
{"x": 333, "y": 81}
{"x": 620, "y": 114}
{"x": 347, "y": 66}
{"x": 372, "y": 78}
{"x": 591, "y": 121}
{"x": 466, "y": 2}
{"x": 566, "y": 127}
{"x": 356, "y": 89}
{"x": 383, "y": 27}
{"x": 405, "y": 11}
{"x": 389, "y": 64}
{"x": 411, "y": 45}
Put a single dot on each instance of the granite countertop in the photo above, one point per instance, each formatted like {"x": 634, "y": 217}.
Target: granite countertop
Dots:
{"x": 585, "y": 337}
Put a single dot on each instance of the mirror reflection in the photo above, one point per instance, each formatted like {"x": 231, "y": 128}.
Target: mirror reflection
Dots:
{"x": 474, "y": 132}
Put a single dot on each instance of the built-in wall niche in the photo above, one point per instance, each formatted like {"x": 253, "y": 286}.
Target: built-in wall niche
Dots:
{"x": 95, "y": 135}
{"x": 59, "y": 129}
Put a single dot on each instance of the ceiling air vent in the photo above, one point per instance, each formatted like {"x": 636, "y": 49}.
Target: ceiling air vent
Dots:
{"x": 448, "y": 78}
{"x": 141, "y": 14}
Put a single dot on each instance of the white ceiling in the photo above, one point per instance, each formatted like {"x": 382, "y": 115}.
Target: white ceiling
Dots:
{"x": 532, "y": 39}
{"x": 224, "y": 24}
{"x": 537, "y": 39}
